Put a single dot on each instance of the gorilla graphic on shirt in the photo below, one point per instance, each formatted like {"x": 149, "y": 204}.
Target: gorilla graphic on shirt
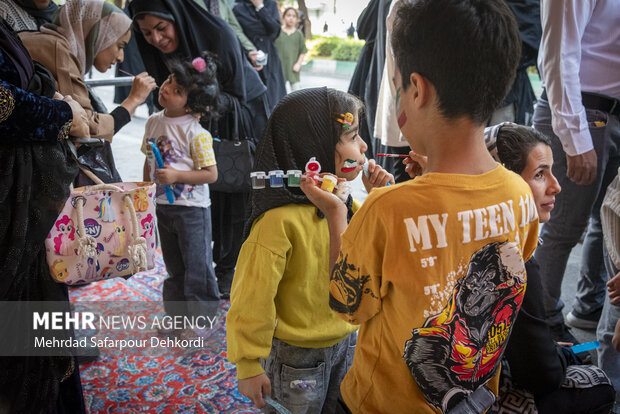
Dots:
{"x": 460, "y": 349}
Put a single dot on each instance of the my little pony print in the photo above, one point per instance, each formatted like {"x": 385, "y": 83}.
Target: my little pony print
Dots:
{"x": 63, "y": 242}
{"x": 106, "y": 212}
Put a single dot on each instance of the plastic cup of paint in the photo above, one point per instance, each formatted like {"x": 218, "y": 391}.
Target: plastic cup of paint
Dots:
{"x": 313, "y": 166}
{"x": 258, "y": 179}
{"x": 276, "y": 178}
{"x": 343, "y": 189}
{"x": 293, "y": 178}
{"x": 329, "y": 183}
{"x": 314, "y": 176}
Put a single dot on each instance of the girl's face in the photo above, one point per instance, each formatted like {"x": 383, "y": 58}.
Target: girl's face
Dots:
{"x": 290, "y": 18}
{"x": 350, "y": 151}
{"x": 172, "y": 97}
{"x": 159, "y": 32}
{"x": 537, "y": 173}
{"x": 114, "y": 53}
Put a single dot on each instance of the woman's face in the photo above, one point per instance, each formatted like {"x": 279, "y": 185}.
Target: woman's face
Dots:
{"x": 537, "y": 173}
{"x": 159, "y": 32}
{"x": 350, "y": 151}
{"x": 114, "y": 53}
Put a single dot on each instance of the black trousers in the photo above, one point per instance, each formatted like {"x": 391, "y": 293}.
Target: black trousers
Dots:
{"x": 228, "y": 213}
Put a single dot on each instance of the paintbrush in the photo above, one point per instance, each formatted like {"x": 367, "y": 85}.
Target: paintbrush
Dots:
{"x": 130, "y": 74}
{"x": 393, "y": 155}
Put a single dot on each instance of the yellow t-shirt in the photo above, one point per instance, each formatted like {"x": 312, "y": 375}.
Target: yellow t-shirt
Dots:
{"x": 433, "y": 271}
{"x": 281, "y": 288}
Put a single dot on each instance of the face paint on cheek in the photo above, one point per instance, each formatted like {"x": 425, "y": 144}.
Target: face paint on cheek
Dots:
{"x": 398, "y": 100}
{"x": 402, "y": 119}
{"x": 349, "y": 165}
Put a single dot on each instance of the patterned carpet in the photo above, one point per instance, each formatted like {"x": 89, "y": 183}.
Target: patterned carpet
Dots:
{"x": 158, "y": 380}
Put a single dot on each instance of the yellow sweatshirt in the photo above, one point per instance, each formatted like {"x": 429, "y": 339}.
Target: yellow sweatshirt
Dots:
{"x": 281, "y": 288}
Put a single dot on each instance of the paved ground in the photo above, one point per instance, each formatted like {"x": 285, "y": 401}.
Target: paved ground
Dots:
{"x": 129, "y": 159}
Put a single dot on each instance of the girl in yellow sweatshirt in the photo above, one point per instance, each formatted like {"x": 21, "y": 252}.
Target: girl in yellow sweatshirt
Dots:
{"x": 282, "y": 335}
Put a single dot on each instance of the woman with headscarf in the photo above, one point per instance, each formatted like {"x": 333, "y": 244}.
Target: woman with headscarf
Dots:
{"x": 86, "y": 34}
{"x": 181, "y": 29}
{"x": 24, "y": 15}
{"x": 261, "y": 23}
{"x": 35, "y": 174}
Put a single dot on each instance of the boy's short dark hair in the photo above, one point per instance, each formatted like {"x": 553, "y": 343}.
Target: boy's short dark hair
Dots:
{"x": 468, "y": 49}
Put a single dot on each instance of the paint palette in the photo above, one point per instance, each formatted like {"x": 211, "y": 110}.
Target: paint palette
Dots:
{"x": 276, "y": 179}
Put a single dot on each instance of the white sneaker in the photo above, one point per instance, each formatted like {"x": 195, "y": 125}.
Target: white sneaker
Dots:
{"x": 577, "y": 320}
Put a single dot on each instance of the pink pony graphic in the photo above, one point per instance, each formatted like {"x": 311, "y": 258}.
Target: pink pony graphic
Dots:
{"x": 63, "y": 242}
{"x": 147, "y": 226}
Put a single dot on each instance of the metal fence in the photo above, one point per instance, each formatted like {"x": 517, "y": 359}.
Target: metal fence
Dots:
{"x": 120, "y": 81}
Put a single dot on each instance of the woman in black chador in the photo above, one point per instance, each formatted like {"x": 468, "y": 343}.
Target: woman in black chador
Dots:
{"x": 168, "y": 29}
{"x": 35, "y": 175}
{"x": 261, "y": 23}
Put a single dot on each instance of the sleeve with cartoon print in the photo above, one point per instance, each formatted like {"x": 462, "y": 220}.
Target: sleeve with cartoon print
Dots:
{"x": 147, "y": 129}
{"x": 355, "y": 283}
{"x": 202, "y": 150}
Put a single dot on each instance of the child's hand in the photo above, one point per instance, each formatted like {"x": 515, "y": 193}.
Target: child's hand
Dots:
{"x": 166, "y": 175}
{"x": 377, "y": 176}
{"x": 613, "y": 287}
{"x": 415, "y": 164}
{"x": 296, "y": 67}
{"x": 327, "y": 202}
{"x": 254, "y": 388}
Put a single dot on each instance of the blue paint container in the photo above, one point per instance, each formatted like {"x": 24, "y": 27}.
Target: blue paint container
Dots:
{"x": 276, "y": 178}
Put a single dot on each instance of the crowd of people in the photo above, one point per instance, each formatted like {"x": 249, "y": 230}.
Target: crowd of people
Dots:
{"x": 439, "y": 293}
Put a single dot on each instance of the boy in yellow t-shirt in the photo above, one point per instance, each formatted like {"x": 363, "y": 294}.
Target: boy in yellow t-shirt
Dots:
{"x": 433, "y": 269}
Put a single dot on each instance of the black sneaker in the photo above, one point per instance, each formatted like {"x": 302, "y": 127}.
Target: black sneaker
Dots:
{"x": 561, "y": 333}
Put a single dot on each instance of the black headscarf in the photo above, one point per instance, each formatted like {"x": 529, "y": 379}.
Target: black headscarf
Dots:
{"x": 41, "y": 16}
{"x": 197, "y": 31}
{"x": 301, "y": 126}
{"x": 14, "y": 49}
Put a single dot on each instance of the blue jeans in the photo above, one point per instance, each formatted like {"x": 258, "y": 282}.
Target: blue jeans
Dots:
{"x": 608, "y": 357}
{"x": 185, "y": 235}
{"x": 307, "y": 380}
{"x": 574, "y": 206}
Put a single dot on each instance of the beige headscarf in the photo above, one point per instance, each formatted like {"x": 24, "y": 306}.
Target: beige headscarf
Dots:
{"x": 89, "y": 26}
